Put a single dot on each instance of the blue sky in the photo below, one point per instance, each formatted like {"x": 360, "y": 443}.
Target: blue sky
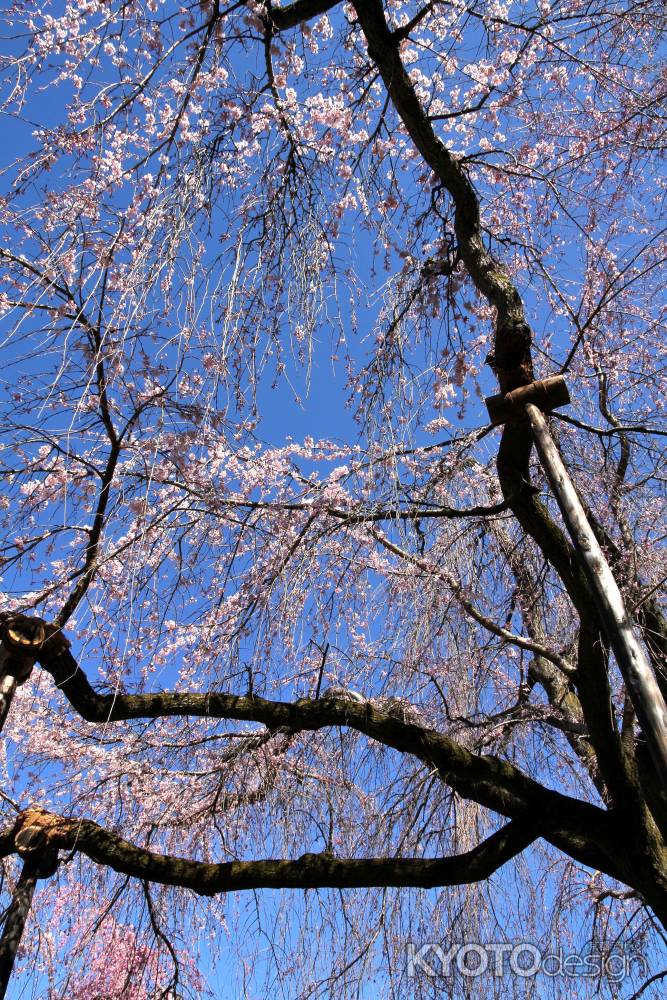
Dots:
{"x": 322, "y": 413}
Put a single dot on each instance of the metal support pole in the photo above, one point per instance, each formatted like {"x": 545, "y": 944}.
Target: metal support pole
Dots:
{"x": 17, "y": 914}
{"x": 639, "y": 678}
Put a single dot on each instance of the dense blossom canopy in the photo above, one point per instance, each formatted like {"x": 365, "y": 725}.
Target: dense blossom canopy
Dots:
{"x": 261, "y": 264}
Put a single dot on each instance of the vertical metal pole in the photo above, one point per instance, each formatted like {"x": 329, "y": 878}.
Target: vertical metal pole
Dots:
{"x": 639, "y": 678}
{"x": 15, "y": 919}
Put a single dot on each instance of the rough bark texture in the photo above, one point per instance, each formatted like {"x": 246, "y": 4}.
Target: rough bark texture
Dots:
{"x": 623, "y": 841}
{"x": 307, "y": 872}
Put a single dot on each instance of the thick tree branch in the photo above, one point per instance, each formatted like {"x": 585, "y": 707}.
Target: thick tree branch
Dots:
{"x": 558, "y": 688}
{"x": 302, "y": 10}
{"x": 310, "y": 871}
{"x": 580, "y": 829}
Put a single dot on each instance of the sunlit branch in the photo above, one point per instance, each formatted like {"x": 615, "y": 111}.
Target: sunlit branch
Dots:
{"x": 494, "y": 783}
{"x": 609, "y": 431}
{"x": 310, "y": 871}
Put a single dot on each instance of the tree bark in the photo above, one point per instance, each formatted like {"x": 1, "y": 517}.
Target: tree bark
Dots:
{"x": 15, "y": 919}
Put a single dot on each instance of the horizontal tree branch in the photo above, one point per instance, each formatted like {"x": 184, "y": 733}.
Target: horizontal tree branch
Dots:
{"x": 38, "y": 830}
{"x": 302, "y": 10}
{"x": 609, "y": 431}
{"x": 579, "y": 828}
{"x": 359, "y": 516}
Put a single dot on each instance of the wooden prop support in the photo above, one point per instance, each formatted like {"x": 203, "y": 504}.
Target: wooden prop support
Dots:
{"x": 639, "y": 678}
{"x": 547, "y": 394}
{"x": 7, "y": 688}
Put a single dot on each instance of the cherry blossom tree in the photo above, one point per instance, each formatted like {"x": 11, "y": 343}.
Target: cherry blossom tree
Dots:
{"x": 302, "y": 700}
